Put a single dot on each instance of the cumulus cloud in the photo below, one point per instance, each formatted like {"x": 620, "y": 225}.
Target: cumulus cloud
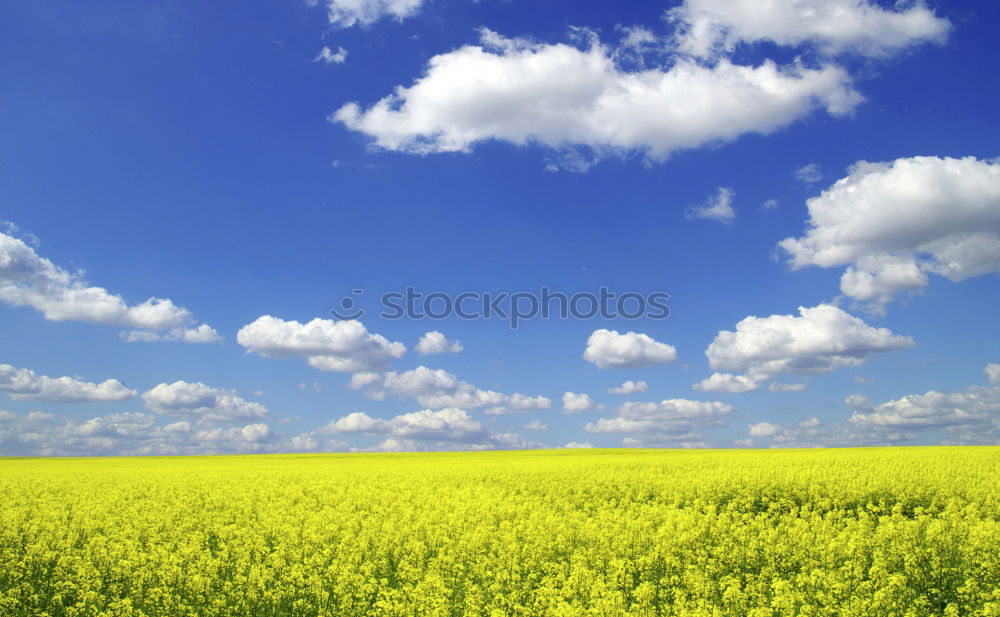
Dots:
{"x": 717, "y": 208}
{"x": 564, "y": 97}
{"x": 786, "y": 387}
{"x": 27, "y": 279}
{"x": 201, "y": 402}
{"x": 327, "y": 344}
{"x": 575, "y": 403}
{"x": 609, "y": 349}
{"x": 576, "y": 445}
{"x": 347, "y": 13}
{"x": 202, "y": 334}
{"x": 629, "y": 387}
{"x": 764, "y": 429}
{"x": 435, "y": 342}
{"x": 128, "y": 434}
{"x": 438, "y": 389}
{"x": 535, "y": 425}
{"x": 710, "y": 27}
{"x": 329, "y": 57}
{"x": 820, "y": 340}
{"x": 893, "y": 223}
{"x": 448, "y": 428}
{"x": 22, "y": 383}
{"x": 664, "y": 420}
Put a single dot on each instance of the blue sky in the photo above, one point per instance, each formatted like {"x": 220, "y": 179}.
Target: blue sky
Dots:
{"x": 815, "y": 186}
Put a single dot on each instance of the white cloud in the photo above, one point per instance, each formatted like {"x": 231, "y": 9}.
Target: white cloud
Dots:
{"x": 438, "y": 389}
{"x": 27, "y": 279}
{"x": 810, "y": 422}
{"x": 329, "y": 345}
{"x": 448, "y": 428}
{"x": 183, "y": 399}
{"x": 535, "y": 425}
{"x": 764, "y": 429}
{"x": 833, "y": 26}
{"x": 786, "y": 387}
{"x": 770, "y": 204}
{"x": 664, "y": 419}
{"x": 201, "y": 334}
{"x": 808, "y": 173}
{"x": 128, "y": 434}
{"x": 718, "y": 208}
{"x": 610, "y": 350}
{"x": 347, "y": 13}
{"x": 435, "y": 342}
{"x": 630, "y": 387}
{"x": 563, "y": 97}
{"x": 329, "y": 57}
{"x": 22, "y": 383}
{"x": 893, "y": 223}
{"x": 820, "y": 340}
{"x": 575, "y": 445}
{"x": 575, "y": 403}
{"x": 727, "y": 382}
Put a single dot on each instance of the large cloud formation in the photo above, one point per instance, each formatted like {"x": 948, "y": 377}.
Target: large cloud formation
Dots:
{"x": 819, "y": 340}
{"x": 201, "y": 402}
{"x": 22, "y": 383}
{"x": 834, "y": 26}
{"x": 561, "y": 96}
{"x": 327, "y": 344}
{"x": 27, "y": 279}
{"x": 893, "y": 223}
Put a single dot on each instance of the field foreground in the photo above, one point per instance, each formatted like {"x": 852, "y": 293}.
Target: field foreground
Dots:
{"x": 852, "y": 532}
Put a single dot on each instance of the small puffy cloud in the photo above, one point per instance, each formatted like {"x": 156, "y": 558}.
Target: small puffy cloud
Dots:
{"x": 22, "y": 383}
{"x": 770, "y": 204}
{"x": 575, "y": 403}
{"x": 668, "y": 417}
{"x": 202, "y": 334}
{"x": 764, "y": 429}
{"x": 992, "y": 372}
{"x": 709, "y": 27}
{"x": 575, "y": 445}
{"x": 329, "y": 57}
{"x": 535, "y": 425}
{"x": 572, "y": 99}
{"x": 435, "y": 342}
{"x": 808, "y": 173}
{"x": 727, "y": 382}
{"x": 810, "y": 422}
{"x": 892, "y": 223}
{"x": 347, "y": 13}
{"x": 328, "y": 345}
{"x": 196, "y": 400}
{"x": 629, "y": 387}
{"x": 27, "y": 279}
{"x": 609, "y": 349}
{"x": 819, "y": 340}
{"x": 786, "y": 387}
{"x": 718, "y": 208}
{"x": 438, "y": 389}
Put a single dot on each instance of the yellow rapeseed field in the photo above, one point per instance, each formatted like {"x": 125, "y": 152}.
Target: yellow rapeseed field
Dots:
{"x": 847, "y": 532}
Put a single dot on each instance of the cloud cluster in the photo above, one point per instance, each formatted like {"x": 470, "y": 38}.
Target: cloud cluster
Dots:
{"x": 347, "y": 13}
{"x": 439, "y": 389}
{"x": 27, "y": 279}
{"x": 201, "y": 402}
{"x": 328, "y": 345}
{"x": 561, "y": 96}
{"x": 448, "y": 428}
{"x": 126, "y": 434}
{"x": 893, "y": 223}
{"x": 609, "y": 349}
{"x": 668, "y": 423}
{"x": 819, "y": 340}
{"x": 575, "y": 403}
{"x": 22, "y": 383}
{"x": 711, "y": 27}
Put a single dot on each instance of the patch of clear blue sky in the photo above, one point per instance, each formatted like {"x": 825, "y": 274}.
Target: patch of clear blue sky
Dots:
{"x": 180, "y": 149}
